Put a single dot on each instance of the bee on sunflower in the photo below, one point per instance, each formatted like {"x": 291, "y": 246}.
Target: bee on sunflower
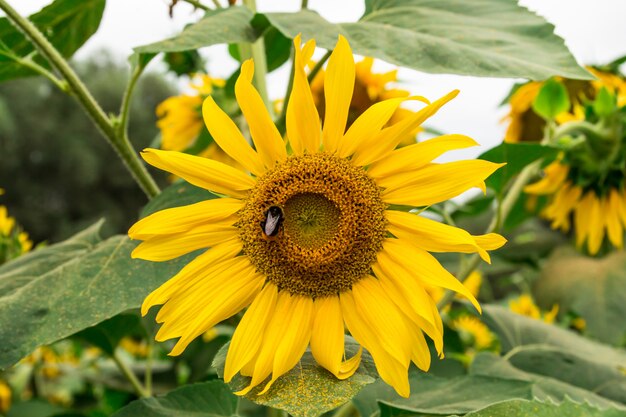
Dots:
{"x": 310, "y": 236}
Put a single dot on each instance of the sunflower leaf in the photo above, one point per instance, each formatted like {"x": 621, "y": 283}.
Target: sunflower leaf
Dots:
{"x": 551, "y": 100}
{"x": 208, "y": 399}
{"x": 446, "y": 36}
{"x": 308, "y": 390}
{"x": 67, "y": 24}
{"x": 525, "y": 408}
{"x": 54, "y": 292}
{"x": 594, "y": 289}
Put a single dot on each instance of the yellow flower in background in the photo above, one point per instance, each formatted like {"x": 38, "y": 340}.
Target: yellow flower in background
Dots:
{"x": 480, "y": 335}
{"x": 5, "y": 397}
{"x": 593, "y": 214}
{"x": 13, "y": 241}
{"x": 305, "y": 237}
{"x": 6, "y": 222}
{"x": 524, "y": 125}
{"x": 136, "y": 347}
{"x": 369, "y": 88}
{"x": 525, "y": 305}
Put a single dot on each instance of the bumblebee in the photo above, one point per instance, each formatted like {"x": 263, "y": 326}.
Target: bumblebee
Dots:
{"x": 273, "y": 222}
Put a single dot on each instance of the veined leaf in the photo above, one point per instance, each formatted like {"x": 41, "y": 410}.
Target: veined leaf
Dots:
{"x": 67, "y": 24}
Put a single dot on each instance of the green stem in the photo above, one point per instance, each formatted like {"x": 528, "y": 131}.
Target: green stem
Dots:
{"x": 128, "y": 373}
{"x": 29, "y": 63}
{"x": 122, "y": 127}
{"x": 198, "y": 5}
{"x": 503, "y": 210}
{"x": 304, "y": 4}
{"x": 121, "y": 145}
{"x": 257, "y": 53}
{"x": 148, "y": 376}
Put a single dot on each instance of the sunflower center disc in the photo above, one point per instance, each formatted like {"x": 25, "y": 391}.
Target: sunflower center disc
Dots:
{"x": 333, "y": 227}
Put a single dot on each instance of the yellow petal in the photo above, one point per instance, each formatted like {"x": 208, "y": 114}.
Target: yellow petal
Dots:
{"x": 431, "y": 235}
{"x": 202, "y": 172}
{"x": 303, "y": 121}
{"x": 267, "y": 140}
{"x": 327, "y": 339}
{"x": 581, "y": 218}
{"x": 248, "y": 336}
{"x": 182, "y": 219}
{"x": 613, "y": 224}
{"x": 414, "y": 156}
{"x": 391, "y": 370}
{"x": 388, "y": 139}
{"x": 595, "y": 226}
{"x": 435, "y": 182}
{"x": 368, "y": 125}
{"x": 219, "y": 253}
{"x": 219, "y": 303}
{"x": 164, "y": 248}
{"x": 338, "y": 88}
{"x": 227, "y": 135}
{"x": 555, "y": 175}
{"x": 490, "y": 241}
{"x": 426, "y": 267}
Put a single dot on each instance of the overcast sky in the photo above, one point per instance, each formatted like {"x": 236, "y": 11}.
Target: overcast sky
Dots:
{"x": 593, "y": 30}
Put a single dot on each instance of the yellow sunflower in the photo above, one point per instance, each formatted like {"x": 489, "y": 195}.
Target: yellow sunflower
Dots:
{"x": 594, "y": 214}
{"x": 369, "y": 88}
{"x": 480, "y": 335}
{"x": 526, "y": 126}
{"x": 307, "y": 236}
{"x": 525, "y": 305}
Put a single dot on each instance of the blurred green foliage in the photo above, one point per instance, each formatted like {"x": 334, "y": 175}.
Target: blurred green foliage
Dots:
{"x": 58, "y": 173}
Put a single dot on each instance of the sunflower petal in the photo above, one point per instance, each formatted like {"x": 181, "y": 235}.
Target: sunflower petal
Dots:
{"x": 338, "y": 88}
{"x": 414, "y": 156}
{"x": 228, "y": 137}
{"x": 267, "y": 139}
{"x": 182, "y": 219}
{"x": 303, "y": 121}
{"x": 435, "y": 182}
{"x": 202, "y": 172}
{"x": 613, "y": 224}
{"x": 555, "y": 175}
{"x": 248, "y": 336}
{"x": 386, "y": 141}
{"x": 582, "y": 218}
{"x": 596, "y": 226}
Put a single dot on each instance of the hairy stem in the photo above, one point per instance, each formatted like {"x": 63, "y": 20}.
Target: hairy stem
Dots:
{"x": 256, "y": 51}
{"x": 132, "y": 378}
{"x": 121, "y": 145}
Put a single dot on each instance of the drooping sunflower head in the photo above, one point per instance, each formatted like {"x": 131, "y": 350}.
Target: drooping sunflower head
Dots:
{"x": 524, "y": 125}
{"x": 306, "y": 235}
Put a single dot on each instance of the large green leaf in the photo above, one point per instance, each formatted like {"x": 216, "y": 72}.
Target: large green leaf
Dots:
{"x": 229, "y": 25}
{"x": 308, "y": 390}
{"x": 208, "y": 399}
{"x": 593, "y": 288}
{"x": 543, "y": 388}
{"x": 524, "y": 408}
{"x": 54, "y": 292}
{"x": 491, "y": 38}
{"x": 441, "y": 396}
{"x": 67, "y": 24}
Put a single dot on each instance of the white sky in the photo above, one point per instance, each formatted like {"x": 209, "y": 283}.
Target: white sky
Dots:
{"x": 593, "y": 30}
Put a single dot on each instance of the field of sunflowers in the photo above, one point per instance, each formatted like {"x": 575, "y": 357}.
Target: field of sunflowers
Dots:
{"x": 179, "y": 243}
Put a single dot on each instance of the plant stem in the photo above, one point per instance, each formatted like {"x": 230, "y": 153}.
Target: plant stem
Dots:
{"x": 121, "y": 145}
{"x": 503, "y": 211}
{"x": 346, "y": 410}
{"x": 148, "y": 376}
{"x": 304, "y": 4}
{"x": 198, "y": 5}
{"x": 29, "y": 63}
{"x": 122, "y": 126}
{"x": 257, "y": 53}
{"x": 128, "y": 373}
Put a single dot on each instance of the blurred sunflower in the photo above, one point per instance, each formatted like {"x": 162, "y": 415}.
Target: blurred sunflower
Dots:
{"x": 479, "y": 335}
{"x": 307, "y": 238}
{"x": 369, "y": 88}
{"x": 5, "y": 397}
{"x": 524, "y": 125}
{"x": 180, "y": 119}
{"x": 13, "y": 241}
{"x": 525, "y": 305}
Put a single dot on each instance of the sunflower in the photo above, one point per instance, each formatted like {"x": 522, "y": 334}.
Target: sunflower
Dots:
{"x": 596, "y": 208}
{"x": 369, "y": 88}
{"x": 525, "y": 305}
{"x": 526, "y": 126}
{"x": 479, "y": 334}
{"x": 308, "y": 236}
{"x": 5, "y": 397}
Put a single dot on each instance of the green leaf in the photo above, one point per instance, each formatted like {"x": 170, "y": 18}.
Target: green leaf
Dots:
{"x": 67, "y": 24}
{"x": 593, "y": 288}
{"x": 446, "y": 36}
{"x": 435, "y": 395}
{"x": 543, "y": 388}
{"x": 277, "y": 45}
{"x": 54, "y": 292}
{"x": 208, "y": 399}
{"x": 524, "y": 408}
{"x": 517, "y": 156}
{"x": 178, "y": 194}
{"x": 107, "y": 335}
{"x": 604, "y": 105}
{"x": 229, "y": 25}
{"x": 308, "y": 390}
{"x": 552, "y": 100}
